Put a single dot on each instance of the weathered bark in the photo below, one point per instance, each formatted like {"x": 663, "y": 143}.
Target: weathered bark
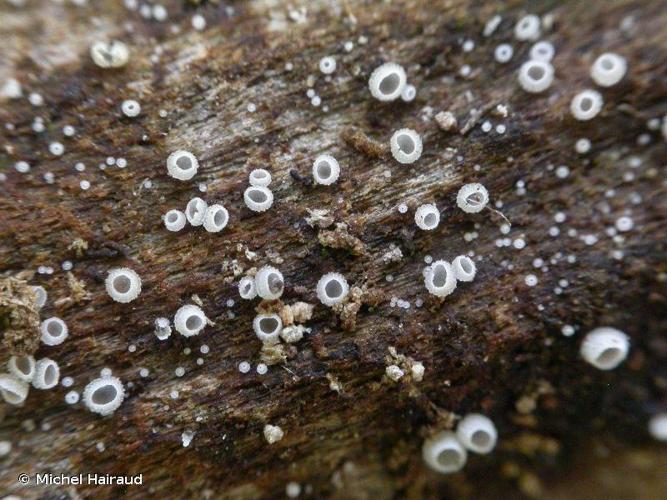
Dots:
{"x": 494, "y": 346}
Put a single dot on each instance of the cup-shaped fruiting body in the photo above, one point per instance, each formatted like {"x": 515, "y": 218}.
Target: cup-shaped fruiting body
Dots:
{"x": 259, "y": 177}
{"x": 409, "y": 93}
{"x": 477, "y": 433}
{"x": 528, "y": 28}
{"x": 22, "y": 367}
{"x": 247, "y": 288}
{"x": 406, "y": 146}
{"x": 104, "y": 395}
{"x": 54, "y": 331}
{"x": 657, "y": 427}
{"x": 444, "y": 453}
{"x": 503, "y": 53}
{"x": 472, "y": 198}
{"x": 440, "y": 279}
{"x": 586, "y": 105}
{"x": 609, "y": 69}
{"x": 40, "y": 296}
{"x": 13, "y": 390}
{"x": 325, "y": 170}
{"x": 47, "y": 374}
{"x": 542, "y": 51}
{"x": 189, "y": 320}
{"x": 327, "y": 65}
{"x": 215, "y": 218}
{"x": 123, "y": 284}
{"x": 273, "y": 433}
{"x": 269, "y": 283}
{"x": 195, "y": 211}
{"x": 162, "y": 328}
{"x": 130, "y": 108}
{"x": 267, "y": 327}
{"x": 536, "y": 76}
{"x": 464, "y": 268}
{"x": 605, "y": 348}
{"x": 182, "y": 165}
{"x": 332, "y": 288}
{"x": 258, "y": 198}
{"x": 113, "y": 54}
{"x": 174, "y": 220}
{"x": 427, "y": 217}
{"x": 387, "y": 82}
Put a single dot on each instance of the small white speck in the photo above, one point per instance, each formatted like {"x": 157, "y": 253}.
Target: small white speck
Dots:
{"x": 562, "y": 172}
{"x": 85, "y": 185}
{"x": 567, "y": 330}
{"x": 244, "y": 367}
{"x": 624, "y": 224}
{"x": 56, "y": 148}
{"x": 198, "y": 22}
{"x": 531, "y": 280}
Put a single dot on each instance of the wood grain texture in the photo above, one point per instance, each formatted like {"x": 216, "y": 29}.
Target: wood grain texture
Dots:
{"x": 492, "y": 346}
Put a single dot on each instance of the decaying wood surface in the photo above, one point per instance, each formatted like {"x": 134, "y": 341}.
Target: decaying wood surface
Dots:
{"x": 494, "y": 346}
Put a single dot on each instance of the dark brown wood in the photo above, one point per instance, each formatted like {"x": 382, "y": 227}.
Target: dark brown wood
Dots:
{"x": 494, "y": 346}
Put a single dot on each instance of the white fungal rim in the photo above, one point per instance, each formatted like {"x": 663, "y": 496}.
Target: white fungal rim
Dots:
{"x": 605, "y": 347}
{"x": 104, "y": 395}
{"x": 406, "y": 146}
{"x": 123, "y": 284}
{"x": 657, "y": 427}
{"x": 216, "y": 218}
{"x": 472, "y": 198}
{"x": 47, "y": 374}
{"x": 542, "y": 51}
{"x": 259, "y": 177}
{"x": 40, "y": 296}
{"x": 130, "y": 108}
{"x": 247, "y": 288}
{"x": 182, "y": 165}
{"x": 503, "y": 53}
{"x": 464, "y": 268}
{"x": 269, "y": 283}
{"x": 54, "y": 331}
{"x": 174, "y": 220}
{"x": 444, "y": 453}
{"x": 258, "y": 198}
{"x": 527, "y": 28}
{"x": 326, "y": 170}
{"x": 427, "y": 217}
{"x": 189, "y": 320}
{"x": 536, "y": 76}
{"x": 477, "y": 433}
{"x": 586, "y": 105}
{"x": 12, "y": 389}
{"x": 609, "y": 69}
{"x": 327, "y": 65}
{"x": 387, "y": 82}
{"x": 332, "y": 288}
{"x": 162, "y": 328}
{"x": 113, "y": 54}
{"x": 409, "y": 93}
{"x": 439, "y": 278}
{"x": 267, "y": 327}
{"x": 22, "y": 367}
{"x": 195, "y": 211}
